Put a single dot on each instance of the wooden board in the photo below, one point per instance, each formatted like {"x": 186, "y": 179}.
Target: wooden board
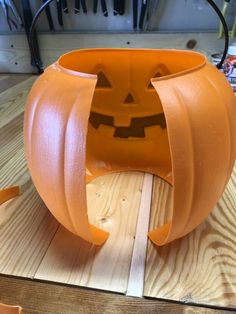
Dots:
{"x": 15, "y": 56}
{"x": 11, "y": 80}
{"x": 201, "y": 267}
{"x": 12, "y": 101}
{"x": 198, "y": 269}
{"x": 113, "y": 203}
{"x": 53, "y": 254}
{"x": 44, "y": 298}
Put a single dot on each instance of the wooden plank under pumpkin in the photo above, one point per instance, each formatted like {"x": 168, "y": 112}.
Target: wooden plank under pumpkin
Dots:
{"x": 11, "y": 137}
{"x": 44, "y": 298}
{"x": 113, "y": 203}
{"x": 201, "y": 267}
{"x": 15, "y": 172}
{"x": 7, "y": 81}
{"x": 12, "y": 100}
{"x": 26, "y": 230}
{"x": 117, "y": 209}
{"x": 26, "y": 226}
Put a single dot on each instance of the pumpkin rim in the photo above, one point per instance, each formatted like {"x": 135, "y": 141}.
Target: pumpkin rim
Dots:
{"x": 67, "y": 70}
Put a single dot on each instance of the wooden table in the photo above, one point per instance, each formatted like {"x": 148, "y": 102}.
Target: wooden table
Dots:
{"x": 43, "y": 266}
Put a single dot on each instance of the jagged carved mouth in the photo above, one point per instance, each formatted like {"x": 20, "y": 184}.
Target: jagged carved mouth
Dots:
{"x": 135, "y": 129}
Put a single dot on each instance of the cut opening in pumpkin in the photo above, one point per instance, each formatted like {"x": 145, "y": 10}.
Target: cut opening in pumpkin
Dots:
{"x": 175, "y": 127}
{"x": 126, "y": 112}
{"x": 103, "y": 81}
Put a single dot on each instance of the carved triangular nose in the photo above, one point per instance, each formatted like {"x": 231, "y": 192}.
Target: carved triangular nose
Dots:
{"x": 103, "y": 80}
{"x": 129, "y": 99}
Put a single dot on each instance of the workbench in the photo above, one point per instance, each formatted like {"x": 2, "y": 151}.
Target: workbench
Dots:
{"x": 46, "y": 269}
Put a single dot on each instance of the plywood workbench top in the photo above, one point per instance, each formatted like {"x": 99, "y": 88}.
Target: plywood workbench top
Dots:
{"x": 199, "y": 269}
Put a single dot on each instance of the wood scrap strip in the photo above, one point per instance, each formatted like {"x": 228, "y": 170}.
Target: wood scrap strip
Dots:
{"x": 137, "y": 267}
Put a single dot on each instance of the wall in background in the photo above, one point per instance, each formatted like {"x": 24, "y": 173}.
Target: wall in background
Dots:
{"x": 172, "y": 15}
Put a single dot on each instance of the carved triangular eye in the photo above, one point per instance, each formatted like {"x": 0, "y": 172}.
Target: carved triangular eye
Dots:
{"x": 129, "y": 99}
{"x": 103, "y": 80}
{"x": 158, "y": 74}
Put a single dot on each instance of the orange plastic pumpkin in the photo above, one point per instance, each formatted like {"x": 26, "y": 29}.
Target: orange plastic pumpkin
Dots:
{"x": 167, "y": 112}
{"x": 10, "y": 309}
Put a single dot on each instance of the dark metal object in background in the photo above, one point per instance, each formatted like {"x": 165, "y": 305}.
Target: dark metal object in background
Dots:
{"x": 8, "y": 7}
{"x": 77, "y": 6}
{"x": 49, "y": 17}
{"x": 95, "y": 6}
{"x": 135, "y": 14}
{"x": 35, "y": 19}
{"x": 64, "y": 6}
{"x": 226, "y": 31}
{"x": 104, "y": 7}
{"x": 115, "y": 7}
{"x": 31, "y": 35}
{"x": 84, "y": 7}
{"x": 118, "y": 7}
{"x": 223, "y": 11}
{"x": 143, "y": 13}
{"x": 122, "y": 7}
{"x": 153, "y": 6}
{"x": 59, "y": 12}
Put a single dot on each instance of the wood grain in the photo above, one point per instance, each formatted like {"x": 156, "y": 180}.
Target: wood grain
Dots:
{"x": 15, "y": 172}
{"x": 26, "y": 230}
{"x": 3, "y": 77}
{"x": 201, "y": 267}
{"x": 17, "y": 59}
{"x": 43, "y": 298}
{"x": 12, "y": 101}
{"x": 137, "y": 266}
{"x": 10, "y": 130}
{"x": 11, "y": 80}
{"x": 113, "y": 203}
{"x": 26, "y": 226}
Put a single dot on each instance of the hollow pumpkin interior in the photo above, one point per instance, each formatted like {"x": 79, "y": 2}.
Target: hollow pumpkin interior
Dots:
{"x": 127, "y": 129}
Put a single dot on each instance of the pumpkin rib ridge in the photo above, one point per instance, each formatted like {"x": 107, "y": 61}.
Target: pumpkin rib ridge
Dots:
{"x": 73, "y": 221}
{"x": 79, "y": 115}
{"x": 182, "y": 103}
{"x": 39, "y": 105}
{"x": 37, "y": 109}
{"x": 63, "y": 176}
{"x": 166, "y": 230}
{"x": 70, "y": 207}
{"x": 227, "y": 125}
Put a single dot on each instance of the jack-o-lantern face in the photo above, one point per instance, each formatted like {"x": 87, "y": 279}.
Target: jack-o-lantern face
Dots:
{"x": 127, "y": 114}
{"x": 166, "y": 112}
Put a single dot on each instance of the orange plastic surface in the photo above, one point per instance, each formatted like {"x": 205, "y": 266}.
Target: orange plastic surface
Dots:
{"x": 166, "y": 112}
{"x": 9, "y": 309}
{"x": 8, "y": 193}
